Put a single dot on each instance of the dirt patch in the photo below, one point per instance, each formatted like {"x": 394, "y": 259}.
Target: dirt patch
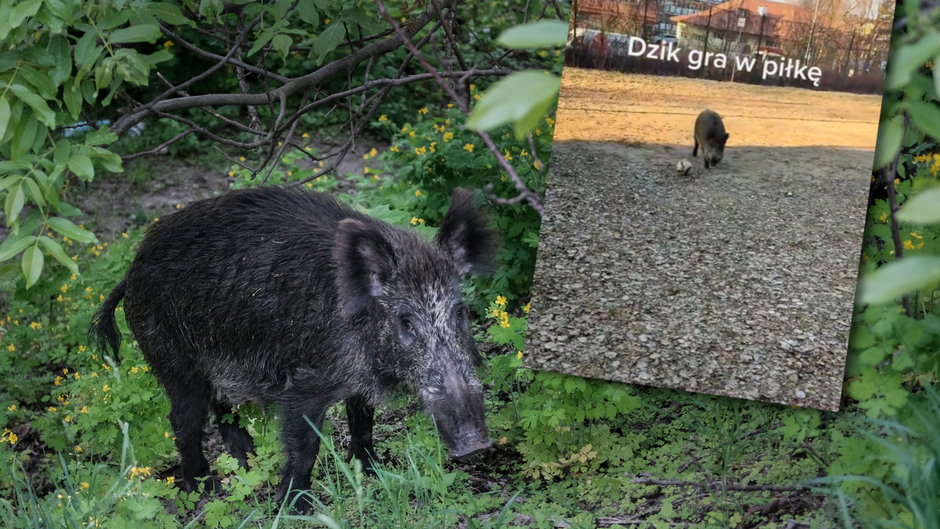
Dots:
{"x": 737, "y": 280}
{"x": 114, "y": 203}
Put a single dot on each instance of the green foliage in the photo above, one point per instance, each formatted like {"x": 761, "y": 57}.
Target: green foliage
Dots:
{"x": 900, "y": 465}
{"x": 431, "y": 156}
{"x": 522, "y": 98}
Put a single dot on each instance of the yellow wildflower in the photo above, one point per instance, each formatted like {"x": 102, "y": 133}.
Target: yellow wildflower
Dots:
{"x": 170, "y": 480}
{"x": 519, "y": 355}
{"x": 448, "y": 136}
{"x": 420, "y": 150}
{"x": 415, "y": 221}
{"x": 501, "y": 301}
{"x": 124, "y": 235}
{"x": 11, "y": 407}
{"x": 84, "y": 409}
{"x": 78, "y": 448}
{"x": 137, "y": 472}
{"x": 84, "y": 484}
{"x": 105, "y": 388}
{"x": 418, "y": 193}
{"x": 527, "y": 308}
{"x": 468, "y": 147}
{"x": 383, "y": 117}
{"x": 393, "y": 148}
{"x": 423, "y": 110}
{"x": 168, "y": 44}
{"x": 537, "y": 164}
{"x": 231, "y": 173}
{"x": 506, "y": 154}
{"x": 11, "y": 348}
{"x": 908, "y": 245}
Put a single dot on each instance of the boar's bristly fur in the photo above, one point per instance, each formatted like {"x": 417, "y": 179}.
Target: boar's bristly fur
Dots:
{"x": 290, "y": 298}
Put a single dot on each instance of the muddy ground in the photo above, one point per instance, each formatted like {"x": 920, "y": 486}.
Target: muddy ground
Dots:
{"x": 737, "y": 280}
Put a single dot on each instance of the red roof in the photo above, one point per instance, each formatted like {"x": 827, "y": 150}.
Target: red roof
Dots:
{"x": 725, "y": 16}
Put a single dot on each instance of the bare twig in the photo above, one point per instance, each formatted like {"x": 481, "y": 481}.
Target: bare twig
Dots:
{"x": 159, "y": 149}
{"x": 719, "y": 484}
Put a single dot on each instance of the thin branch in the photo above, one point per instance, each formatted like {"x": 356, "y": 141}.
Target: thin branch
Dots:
{"x": 889, "y": 177}
{"x": 159, "y": 148}
{"x": 719, "y": 485}
{"x": 291, "y": 87}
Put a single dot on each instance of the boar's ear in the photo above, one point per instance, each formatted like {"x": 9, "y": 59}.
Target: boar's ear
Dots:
{"x": 464, "y": 236}
{"x": 364, "y": 261}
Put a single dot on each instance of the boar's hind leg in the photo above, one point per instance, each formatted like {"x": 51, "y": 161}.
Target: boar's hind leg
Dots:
{"x": 301, "y": 444}
{"x": 189, "y": 408}
{"x": 360, "y": 416}
{"x": 237, "y": 439}
{"x": 695, "y": 149}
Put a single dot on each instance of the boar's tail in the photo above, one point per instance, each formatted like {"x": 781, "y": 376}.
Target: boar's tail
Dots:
{"x": 103, "y": 331}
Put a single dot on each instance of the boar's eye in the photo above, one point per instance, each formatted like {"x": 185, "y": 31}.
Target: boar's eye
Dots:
{"x": 407, "y": 325}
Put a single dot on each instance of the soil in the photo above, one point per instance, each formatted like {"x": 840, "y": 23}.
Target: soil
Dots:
{"x": 114, "y": 203}
{"x": 737, "y": 280}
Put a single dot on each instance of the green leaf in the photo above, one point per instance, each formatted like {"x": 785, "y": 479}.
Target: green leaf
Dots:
{"x": 34, "y": 192}
{"x": 87, "y": 50}
{"x": 138, "y": 33}
{"x": 56, "y": 251}
{"x": 40, "y": 81}
{"x": 64, "y": 226}
{"x": 889, "y": 141}
{"x": 926, "y": 117}
{"x": 72, "y": 96}
{"x": 282, "y": 44}
{"x": 521, "y": 99}
{"x": 328, "y": 40}
{"x": 62, "y": 53}
{"x": 63, "y": 148}
{"x": 308, "y": 12}
{"x": 22, "y": 11}
{"x": 908, "y": 59}
{"x": 922, "y": 208}
{"x": 897, "y": 278}
{"x": 32, "y": 264}
{"x": 14, "y": 245}
{"x": 38, "y": 104}
{"x": 169, "y": 13}
{"x": 4, "y": 116}
{"x": 14, "y": 203}
{"x": 541, "y": 34}
{"x": 262, "y": 39}
{"x": 80, "y": 164}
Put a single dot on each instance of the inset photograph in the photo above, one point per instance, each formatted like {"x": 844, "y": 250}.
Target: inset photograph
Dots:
{"x": 707, "y": 195}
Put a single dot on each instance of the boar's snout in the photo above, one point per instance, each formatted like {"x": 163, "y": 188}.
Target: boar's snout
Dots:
{"x": 458, "y": 413}
{"x": 471, "y": 446}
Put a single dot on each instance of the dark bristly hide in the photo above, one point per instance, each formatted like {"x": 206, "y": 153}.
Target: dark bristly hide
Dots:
{"x": 287, "y": 297}
{"x": 710, "y": 135}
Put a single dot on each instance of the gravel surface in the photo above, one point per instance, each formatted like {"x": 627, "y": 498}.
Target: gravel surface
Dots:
{"x": 736, "y": 281}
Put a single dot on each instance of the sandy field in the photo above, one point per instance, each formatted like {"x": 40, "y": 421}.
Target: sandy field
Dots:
{"x": 611, "y": 106}
{"x": 737, "y": 280}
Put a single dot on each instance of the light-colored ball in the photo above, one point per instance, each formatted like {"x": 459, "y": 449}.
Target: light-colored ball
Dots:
{"x": 683, "y": 167}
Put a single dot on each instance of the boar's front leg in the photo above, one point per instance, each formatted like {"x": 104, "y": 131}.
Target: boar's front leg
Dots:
{"x": 360, "y": 416}
{"x": 301, "y": 445}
